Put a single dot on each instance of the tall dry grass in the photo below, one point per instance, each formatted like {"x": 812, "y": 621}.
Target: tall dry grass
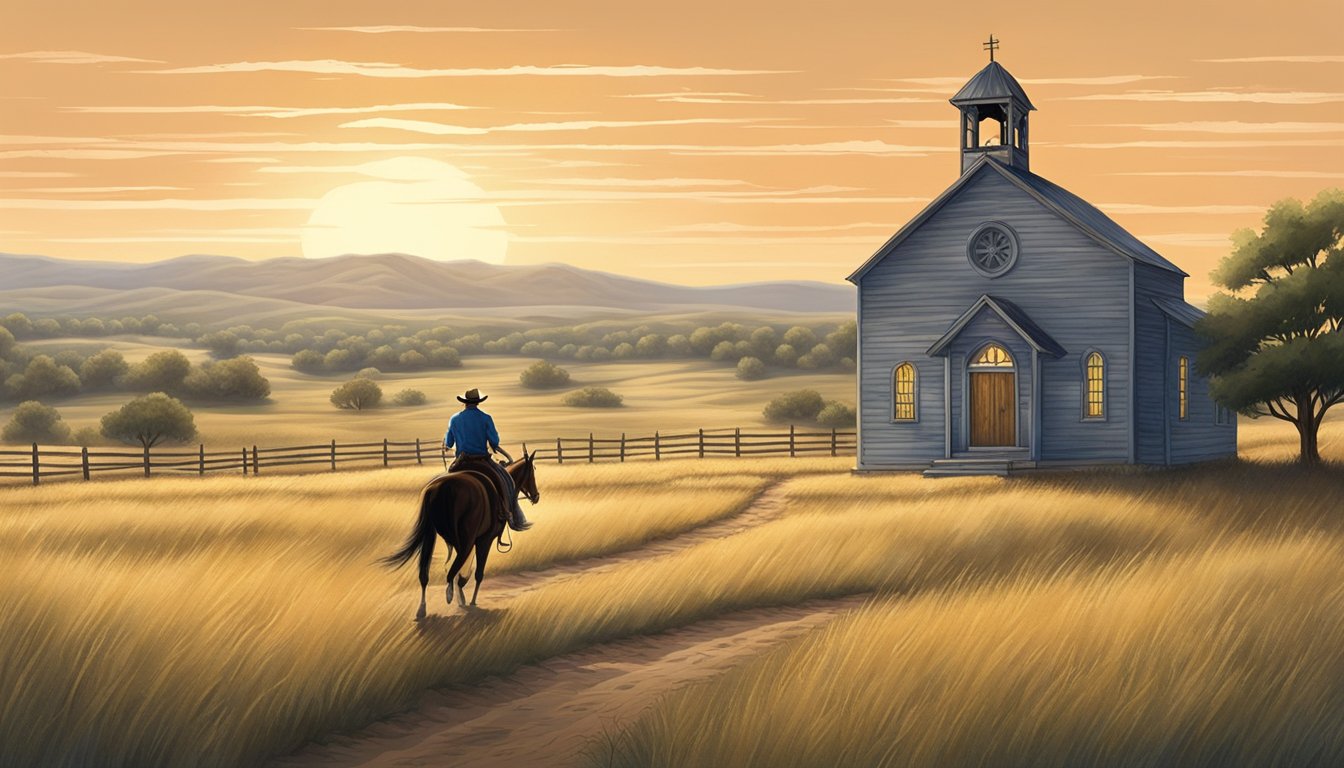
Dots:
{"x": 1228, "y": 657}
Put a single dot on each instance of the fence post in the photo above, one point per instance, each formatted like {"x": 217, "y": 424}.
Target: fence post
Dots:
{"x": 333, "y": 454}
{"x": 384, "y": 451}
{"x": 702, "y": 443}
{"x": 244, "y": 461}
{"x": 792, "y": 453}
{"x": 622, "y": 447}
{"x": 737, "y": 442}
{"x": 657, "y": 450}
{"x": 419, "y": 460}
{"x": 146, "y": 461}
{"x": 36, "y": 472}
{"x": 559, "y": 452}
{"x": 84, "y": 460}
{"x": 256, "y": 462}
{"x": 590, "y": 447}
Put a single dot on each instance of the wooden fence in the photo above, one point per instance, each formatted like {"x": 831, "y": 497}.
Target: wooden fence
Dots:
{"x": 39, "y": 463}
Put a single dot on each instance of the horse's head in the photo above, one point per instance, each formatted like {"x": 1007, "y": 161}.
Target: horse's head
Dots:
{"x": 524, "y": 472}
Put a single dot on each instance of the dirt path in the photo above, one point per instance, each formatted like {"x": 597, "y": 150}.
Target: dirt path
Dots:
{"x": 549, "y": 713}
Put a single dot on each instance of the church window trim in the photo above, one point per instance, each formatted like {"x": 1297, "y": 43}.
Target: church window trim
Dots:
{"x": 1095, "y": 394}
{"x": 1183, "y": 388}
{"x": 992, "y": 249}
{"x": 905, "y": 392}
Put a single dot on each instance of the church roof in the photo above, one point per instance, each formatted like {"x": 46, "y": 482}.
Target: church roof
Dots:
{"x": 993, "y": 83}
{"x": 1011, "y": 314}
{"x": 1181, "y": 312}
{"x": 1071, "y": 207}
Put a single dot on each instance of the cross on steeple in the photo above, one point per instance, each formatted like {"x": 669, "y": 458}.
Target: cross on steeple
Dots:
{"x": 991, "y": 45}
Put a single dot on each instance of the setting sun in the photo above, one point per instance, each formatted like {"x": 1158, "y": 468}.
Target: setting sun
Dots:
{"x": 414, "y": 205}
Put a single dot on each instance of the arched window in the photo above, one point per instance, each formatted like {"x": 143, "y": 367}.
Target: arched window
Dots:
{"x": 1096, "y": 386}
{"x": 1183, "y": 387}
{"x": 993, "y": 356}
{"x": 903, "y": 389}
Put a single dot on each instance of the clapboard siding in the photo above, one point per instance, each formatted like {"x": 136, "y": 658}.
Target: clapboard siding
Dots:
{"x": 1198, "y": 437}
{"x": 1151, "y": 370}
{"x": 1074, "y": 288}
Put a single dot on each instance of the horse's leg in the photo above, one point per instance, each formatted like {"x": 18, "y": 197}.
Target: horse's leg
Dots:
{"x": 482, "y": 552}
{"x": 462, "y": 553}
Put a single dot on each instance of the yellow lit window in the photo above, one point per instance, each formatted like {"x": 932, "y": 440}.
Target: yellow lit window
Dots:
{"x": 993, "y": 356}
{"x": 1183, "y": 387}
{"x": 905, "y": 392}
{"x": 1096, "y": 386}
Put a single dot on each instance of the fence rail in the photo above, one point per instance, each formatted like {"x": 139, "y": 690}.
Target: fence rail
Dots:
{"x": 38, "y": 463}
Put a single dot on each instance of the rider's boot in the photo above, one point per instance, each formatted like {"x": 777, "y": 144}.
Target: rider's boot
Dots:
{"x": 516, "y": 519}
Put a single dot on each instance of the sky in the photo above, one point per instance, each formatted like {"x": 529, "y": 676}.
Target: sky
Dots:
{"x": 692, "y": 142}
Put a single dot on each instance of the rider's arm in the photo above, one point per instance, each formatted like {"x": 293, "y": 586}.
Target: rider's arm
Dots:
{"x": 448, "y": 438}
{"x": 492, "y": 437}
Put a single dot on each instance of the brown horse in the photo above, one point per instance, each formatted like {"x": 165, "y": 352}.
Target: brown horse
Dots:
{"x": 457, "y": 506}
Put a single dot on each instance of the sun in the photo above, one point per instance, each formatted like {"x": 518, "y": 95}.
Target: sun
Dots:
{"x": 418, "y": 206}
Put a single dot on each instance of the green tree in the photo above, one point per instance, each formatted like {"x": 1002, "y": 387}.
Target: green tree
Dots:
{"x": 103, "y": 369}
{"x": 239, "y": 379}
{"x": 800, "y": 337}
{"x": 149, "y": 420}
{"x": 750, "y": 369}
{"x": 160, "y": 372}
{"x": 409, "y": 397}
{"x": 18, "y": 324}
{"x": 593, "y": 397}
{"x": 43, "y": 377}
{"x": 1277, "y": 348}
{"x": 795, "y": 407}
{"x": 544, "y": 375}
{"x": 34, "y": 422}
{"x": 308, "y": 361}
{"x": 222, "y": 344}
{"x": 836, "y": 414}
{"x": 6, "y": 342}
{"x": 357, "y": 395}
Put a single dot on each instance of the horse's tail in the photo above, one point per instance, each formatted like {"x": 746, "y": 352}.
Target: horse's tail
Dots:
{"x": 421, "y": 538}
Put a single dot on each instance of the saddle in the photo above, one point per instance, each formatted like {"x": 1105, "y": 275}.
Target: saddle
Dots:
{"x": 485, "y": 468}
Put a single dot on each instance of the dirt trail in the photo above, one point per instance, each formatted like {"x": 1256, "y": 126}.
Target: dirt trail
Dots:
{"x": 549, "y": 713}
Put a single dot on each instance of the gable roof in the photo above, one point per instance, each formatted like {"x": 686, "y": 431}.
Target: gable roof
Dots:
{"x": 1011, "y": 314}
{"x": 1177, "y": 310}
{"x": 993, "y": 83}
{"x": 1069, "y": 206}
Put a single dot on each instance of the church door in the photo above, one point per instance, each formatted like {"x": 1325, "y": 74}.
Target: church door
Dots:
{"x": 993, "y": 406}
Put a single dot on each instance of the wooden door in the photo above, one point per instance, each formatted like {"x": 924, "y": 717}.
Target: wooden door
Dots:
{"x": 993, "y": 412}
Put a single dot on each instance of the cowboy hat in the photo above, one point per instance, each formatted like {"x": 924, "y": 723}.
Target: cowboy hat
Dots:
{"x": 473, "y": 396}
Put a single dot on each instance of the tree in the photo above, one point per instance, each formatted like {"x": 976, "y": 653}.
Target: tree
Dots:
{"x": 357, "y": 394}
{"x": 160, "y": 372}
{"x": 307, "y": 361}
{"x": 544, "y": 375}
{"x": 407, "y": 397}
{"x": 239, "y": 378}
{"x": 6, "y": 342}
{"x": 222, "y": 344}
{"x": 18, "y": 324}
{"x": 149, "y": 420}
{"x": 750, "y": 369}
{"x": 103, "y": 369}
{"x": 1278, "y": 349}
{"x": 43, "y": 377}
{"x": 34, "y": 422}
{"x": 793, "y": 407}
{"x": 836, "y": 414}
{"x": 800, "y": 337}
{"x": 593, "y": 397}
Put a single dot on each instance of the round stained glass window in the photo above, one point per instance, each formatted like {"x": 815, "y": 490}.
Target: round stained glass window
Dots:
{"x": 992, "y": 249}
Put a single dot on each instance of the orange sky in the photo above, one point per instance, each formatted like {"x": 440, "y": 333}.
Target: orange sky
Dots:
{"x": 693, "y": 142}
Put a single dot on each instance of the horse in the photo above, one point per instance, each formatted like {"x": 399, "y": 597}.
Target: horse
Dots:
{"x": 457, "y": 506}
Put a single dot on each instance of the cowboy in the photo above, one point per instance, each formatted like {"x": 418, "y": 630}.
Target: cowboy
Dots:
{"x": 472, "y": 431}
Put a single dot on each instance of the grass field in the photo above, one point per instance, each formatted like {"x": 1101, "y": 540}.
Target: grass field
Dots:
{"x": 1074, "y": 618}
{"x": 663, "y": 395}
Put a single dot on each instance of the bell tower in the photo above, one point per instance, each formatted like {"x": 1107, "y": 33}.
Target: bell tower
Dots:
{"x": 994, "y": 116}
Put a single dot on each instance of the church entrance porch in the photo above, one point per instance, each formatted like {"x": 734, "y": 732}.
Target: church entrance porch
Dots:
{"x": 993, "y": 409}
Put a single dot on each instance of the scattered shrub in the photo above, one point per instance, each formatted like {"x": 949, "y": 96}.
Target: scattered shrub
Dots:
{"x": 750, "y": 369}
{"x": 801, "y": 406}
{"x": 150, "y": 419}
{"x": 445, "y": 357}
{"x": 544, "y": 375}
{"x": 836, "y": 414}
{"x": 368, "y": 373}
{"x": 308, "y": 361}
{"x": 407, "y": 397}
{"x": 238, "y": 378}
{"x": 88, "y": 436}
{"x": 43, "y": 377}
{"x": 160, "y": 372}
{"x": 785, "y": 354}
{"x": 357, "y": 395}
{"x": 103, "y": 369}
{"x": 222, "y": 344}
{"x": 6, "y": 342}
{"x": 593, "y": 397}
{"x": 34, "y": 422}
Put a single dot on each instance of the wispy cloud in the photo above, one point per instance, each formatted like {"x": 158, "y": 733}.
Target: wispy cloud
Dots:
{"x": 958, "y": 80}
{"x": 385, "y": 69}
{"x": 1189, "y": 239}
{"x": 613, "y": 182}
{"x": 1202, "y": 144}
{"x": 276, "y": 112}
{"x": 679, "y": 98}
{"x": 1246, "y": 174}
{"x": 1144, "y": 208}
{"x": 717, "y": 240}
{"x": 220, "y": 204}
{"x": 1235, "y": 126}
{"x": 731, "y": 227}
{"x": 37, "y": 175}
{"x": 1303, "y": 59}
{"x": 72, "y": 57}
{"x": 100, "y": 190}
{"x": 1219, "y": 97}
{"x": 391, "y": 28}
{"x": 442, "y": 129}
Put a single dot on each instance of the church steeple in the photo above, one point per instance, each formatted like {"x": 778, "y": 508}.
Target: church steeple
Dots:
{"x": 994, "y": 112}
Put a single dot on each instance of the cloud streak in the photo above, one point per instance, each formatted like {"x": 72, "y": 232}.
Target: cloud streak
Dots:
{"x": 389, "y": 70}
{"x": 393, "y": 28}
{"x": 265, "y": 111}
{"x": 1219, "y": 97}
{"x": 441, "y": 129}
{"x": 1235, "y": 126}
{"x": 1305, "y": 59}
{"x": 73, "y": 57}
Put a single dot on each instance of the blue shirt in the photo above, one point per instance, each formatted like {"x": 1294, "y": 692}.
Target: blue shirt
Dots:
{"x": 472, "y": 431}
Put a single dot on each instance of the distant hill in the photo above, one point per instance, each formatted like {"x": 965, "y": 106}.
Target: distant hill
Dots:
{"x": 390, "y": 282}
